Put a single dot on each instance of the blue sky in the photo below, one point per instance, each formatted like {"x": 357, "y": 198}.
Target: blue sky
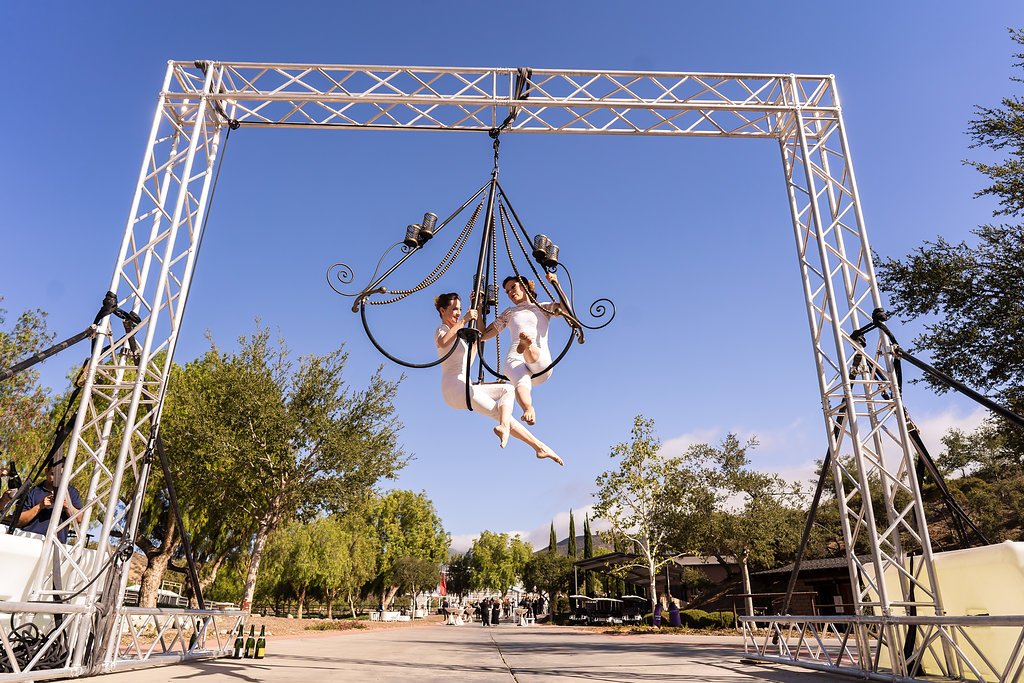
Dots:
{"x": 690, "y": 237}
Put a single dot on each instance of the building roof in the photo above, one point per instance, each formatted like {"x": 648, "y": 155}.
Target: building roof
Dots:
{"x": 638, "y": 575}
{"x": 807, "y": 566}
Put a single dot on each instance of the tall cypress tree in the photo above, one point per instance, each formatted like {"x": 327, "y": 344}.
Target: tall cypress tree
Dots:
{"x": 590, "y": 580}
{"x": 572, "y": 536}
{"x": 552, "y": 539}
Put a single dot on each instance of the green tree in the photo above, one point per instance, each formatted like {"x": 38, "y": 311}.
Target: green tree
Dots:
{"x": 407, "y": 526}
{"x": 573, "y": 554}
{"x": 991, "y": 483}
{"x": 973, "y": 294}
{"x": 304, "y": 559}
{"x": 25, "y": 428}
{"x": 634, "y": 498}
{"x": 498, "y": 561}
{"x": 552, "y": 538}
{"x": 618, "y": 582}
{"x": 764, "y": 524}
{"x": 414, "y": 574}
{"x": 548, "y": 572}
{"x": 267, "y": 441}
{"x": 459, "y": 576}
{"x": 352, "y": 554}
{"x": 592, "y": 586}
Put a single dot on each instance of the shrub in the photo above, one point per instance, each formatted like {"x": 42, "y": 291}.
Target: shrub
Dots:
{"x": 696, "y": 618}
{"x": 724, "y": 619}
{"x": 335, "y": 625}
{"x": 561, "y": 604}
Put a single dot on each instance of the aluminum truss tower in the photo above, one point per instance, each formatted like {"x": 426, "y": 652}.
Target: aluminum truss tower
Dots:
{"x": 126, "y": 378}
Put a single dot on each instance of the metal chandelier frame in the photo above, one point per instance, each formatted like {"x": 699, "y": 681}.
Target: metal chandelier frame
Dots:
{"x": 124, "y": 389}
{"x": 497, "y": 211}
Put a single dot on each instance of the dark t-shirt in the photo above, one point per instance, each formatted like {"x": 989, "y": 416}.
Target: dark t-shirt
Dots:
{"x": 42, "y": 521}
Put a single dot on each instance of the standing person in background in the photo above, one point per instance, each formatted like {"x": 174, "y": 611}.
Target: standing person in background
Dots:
{"x": 485, "y": 612}
{"x": 495, "y": 612}
{"x": 673, "y": 613}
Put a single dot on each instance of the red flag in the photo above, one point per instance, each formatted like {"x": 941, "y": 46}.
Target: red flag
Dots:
{"x": 443, "y": 588}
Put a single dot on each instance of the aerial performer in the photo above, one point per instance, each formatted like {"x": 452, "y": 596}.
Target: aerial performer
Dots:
{"x": 458, "y": 339}
{"x": 527, "y": 323}
{"x": 495, "y": 400}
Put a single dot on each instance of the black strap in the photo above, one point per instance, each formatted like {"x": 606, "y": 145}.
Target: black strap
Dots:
{"x": 878, "y": 318}
{"x": 193, "y": 573}
{"x": 826, "y": 464}
{"x": 107, "y": 307}
{"x": 925, "y": 464}
{"x": 520, "y": 92}
{"x": 46, "y": 353}
{"x": 64, "y": 429}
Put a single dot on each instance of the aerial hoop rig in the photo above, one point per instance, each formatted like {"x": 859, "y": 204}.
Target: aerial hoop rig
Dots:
{"x": 499, "y": 216}
{"x": 899, "y": 615}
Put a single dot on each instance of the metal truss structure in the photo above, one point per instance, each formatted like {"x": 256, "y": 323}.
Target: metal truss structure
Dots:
{"x": 126, "y": 378}
{"x": 970, "y": 648}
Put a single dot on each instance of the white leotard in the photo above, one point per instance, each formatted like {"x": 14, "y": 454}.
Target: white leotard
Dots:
{"x": 486, "y": 398}
{"x": 531, "y": 319}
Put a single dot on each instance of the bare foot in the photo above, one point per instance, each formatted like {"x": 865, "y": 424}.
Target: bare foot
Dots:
{"x": 550, "y": 454}
{"x": 524, "y": 343}
{"x": 529, "y": 416}
{"x": 502, "y": 433}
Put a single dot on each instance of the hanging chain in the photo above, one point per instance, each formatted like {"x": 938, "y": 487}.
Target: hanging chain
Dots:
{"x": 442, "y": 267}
{"x": 508, "y": 248}
{"x": 494, "y": 268}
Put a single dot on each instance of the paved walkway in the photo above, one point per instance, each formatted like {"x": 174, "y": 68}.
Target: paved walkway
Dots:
{"x": 506, "y": 654}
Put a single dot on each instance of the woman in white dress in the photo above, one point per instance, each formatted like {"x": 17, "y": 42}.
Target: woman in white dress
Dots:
{"x": 527, "y": 323}
{"x": 495, "y": 400}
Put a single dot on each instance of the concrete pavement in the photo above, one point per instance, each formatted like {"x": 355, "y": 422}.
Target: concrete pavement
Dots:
{"x": 532, "y": 654}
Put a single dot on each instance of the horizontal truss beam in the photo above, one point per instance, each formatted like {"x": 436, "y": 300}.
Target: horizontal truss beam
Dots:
{"x": 477, "y": 99}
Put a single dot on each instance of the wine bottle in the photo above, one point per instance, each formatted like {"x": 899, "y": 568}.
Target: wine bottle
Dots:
{"x": 250, "y": 642}
{"x": 261, "y": 643}
{"x": 239, "y": 643}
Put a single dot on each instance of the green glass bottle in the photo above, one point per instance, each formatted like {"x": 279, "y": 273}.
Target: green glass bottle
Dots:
{"x": 250, "y": 642}
{"x": 261, "y": 643}
{"x": 239, "y": 644}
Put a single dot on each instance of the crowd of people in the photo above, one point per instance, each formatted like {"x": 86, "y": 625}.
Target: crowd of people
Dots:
{"x": 492, "y": 611}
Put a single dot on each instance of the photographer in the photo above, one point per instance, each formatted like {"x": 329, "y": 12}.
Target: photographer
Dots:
{"x": 39, "y": 506}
